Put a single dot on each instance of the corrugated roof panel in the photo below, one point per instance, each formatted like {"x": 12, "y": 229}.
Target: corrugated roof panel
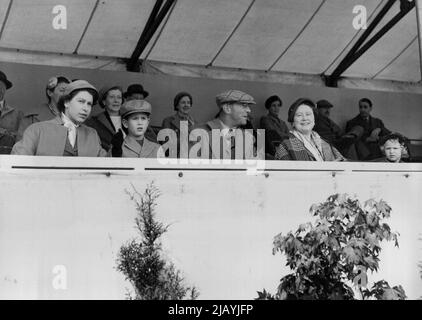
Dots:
{"x": 267, "y": 30}
{"x": 322, "y": 42}
{"x": 197, "y": 29}
{"x": 116, "y": 27}
{"x": 30, "y": 25}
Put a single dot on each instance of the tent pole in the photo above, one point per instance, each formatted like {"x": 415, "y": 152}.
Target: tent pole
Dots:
{"x": 419, "y": 21}
{"x": 151, "y": 26}
{"x": 358, "y": 50}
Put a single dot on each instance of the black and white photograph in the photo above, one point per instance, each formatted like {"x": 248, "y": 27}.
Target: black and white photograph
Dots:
{"x": 210, "y": 150}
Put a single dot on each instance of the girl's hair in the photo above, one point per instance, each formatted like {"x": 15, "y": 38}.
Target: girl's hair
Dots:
{"x": 70, "y": 96}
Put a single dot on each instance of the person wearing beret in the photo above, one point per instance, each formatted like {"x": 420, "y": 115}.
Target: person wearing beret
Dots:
{"x": 303, "y": 143}
{"x": 11, "y": 119}
{"x": 108, "y": 122}
{"x": 275, "y": 128}
{"x": 234, "y": 113}
{"x": 135, "y": 120}
{"x": 65, "y": 135}
{"x": 370, "y": 131}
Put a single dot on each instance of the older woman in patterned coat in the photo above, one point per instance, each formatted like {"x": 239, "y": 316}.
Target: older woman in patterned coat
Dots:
{"x": 303, "y": 143}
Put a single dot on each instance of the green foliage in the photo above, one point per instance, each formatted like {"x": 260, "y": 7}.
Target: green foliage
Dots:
{"x": 327, "y": 256}
{"x": 141, "y": 261}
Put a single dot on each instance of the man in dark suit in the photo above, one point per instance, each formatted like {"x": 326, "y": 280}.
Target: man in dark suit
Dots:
{"x": 224, "y": 136}
{"x": 372, "y": 129}
{"x": 329, "y": 130}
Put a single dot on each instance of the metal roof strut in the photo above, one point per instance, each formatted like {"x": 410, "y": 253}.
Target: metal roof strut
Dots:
{"x": 157, "y": 15}
{"x": 359, "y": 49}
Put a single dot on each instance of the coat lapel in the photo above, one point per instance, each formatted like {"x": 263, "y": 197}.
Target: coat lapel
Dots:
{"x": 61, "y": 136}
{"x": 133, "y": 145}
{"x": 147, "y": 148}
{"x": 102, "y": 118}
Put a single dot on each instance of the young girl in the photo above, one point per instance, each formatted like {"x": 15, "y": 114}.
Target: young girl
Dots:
{"x": 392, "y": 146}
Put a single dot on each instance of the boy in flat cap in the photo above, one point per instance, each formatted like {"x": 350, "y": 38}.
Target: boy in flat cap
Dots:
{"x": 234, "y": 113}
{"x": 135, "y": 121}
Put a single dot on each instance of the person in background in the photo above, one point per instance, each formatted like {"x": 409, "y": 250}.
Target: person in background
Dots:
{"x": 275, "y": 128}
{"x": 108, "y": 122}
{"x": 329, "y": 130}
{"x": 10, "y": 119}
{"x": 136, "y": 92}
{"x": 303, "y": 143}
{"x": 182, "y": 104}
{"x": 135, "y": 120}
{"x": 393, "y": 147}
{"x": 65, "y": 135}
{"x": 55, "y": 88}
{"x": 371, "y": 130}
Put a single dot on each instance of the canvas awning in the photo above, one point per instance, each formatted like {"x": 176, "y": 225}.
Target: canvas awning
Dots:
{"x": 297, "y": 40}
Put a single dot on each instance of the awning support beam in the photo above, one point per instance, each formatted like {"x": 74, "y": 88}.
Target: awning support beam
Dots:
{"x": 358, "y": 50}
{"x": 157, "y": 15}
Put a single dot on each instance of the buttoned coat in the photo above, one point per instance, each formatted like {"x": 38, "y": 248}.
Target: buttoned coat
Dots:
{"x": 132, "y": 149}
{"x": 48, "y": 138}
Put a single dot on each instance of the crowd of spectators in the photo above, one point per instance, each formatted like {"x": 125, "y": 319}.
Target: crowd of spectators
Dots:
{"x": 64, "y": 126}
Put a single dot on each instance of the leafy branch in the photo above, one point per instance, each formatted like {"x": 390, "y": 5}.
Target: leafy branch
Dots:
{"x": 339, "y": 249}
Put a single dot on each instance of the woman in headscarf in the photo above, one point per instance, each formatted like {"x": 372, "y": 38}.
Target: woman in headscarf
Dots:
{"x": 65, "y": 135}
{"x": 303, "y": 143}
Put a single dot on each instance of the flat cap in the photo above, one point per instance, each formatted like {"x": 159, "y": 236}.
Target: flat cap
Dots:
{"x": 232, "y": 96}
{"x": 324, "y": 104}
{"x": 135, "y": 106}
{"x": 81, "y": 84}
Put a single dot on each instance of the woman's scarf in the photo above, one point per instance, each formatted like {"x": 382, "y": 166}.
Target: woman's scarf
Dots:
{"x": 314, "y": 145}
